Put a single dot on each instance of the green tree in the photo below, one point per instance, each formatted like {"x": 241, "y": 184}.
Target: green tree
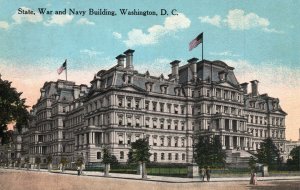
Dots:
{"x": 252, "y": 163}
{"x": 49, "y": 162}
{"x": 140, "y": 153}
{"x": 208, "y": 151}
{"x": 107, "y": 159}
{"x": 12, "y": 109}
{"x": 294, "y": 162}
{"x": 64, "y": 161}
{"x": 268, "y": 154}
{"x": 27, "y": 162}
{"x": 38, "y": 161}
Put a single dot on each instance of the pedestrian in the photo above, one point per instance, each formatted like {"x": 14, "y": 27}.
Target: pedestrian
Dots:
{"x": 251, "y": 178}
{"x": 202, "y": 173}
{"x": 78, "y": 170}
{"x": 254, "y": 179}
{"x": 208, "y": 174}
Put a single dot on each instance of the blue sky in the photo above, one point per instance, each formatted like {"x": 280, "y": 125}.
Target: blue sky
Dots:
{"x": 259, "y": 38}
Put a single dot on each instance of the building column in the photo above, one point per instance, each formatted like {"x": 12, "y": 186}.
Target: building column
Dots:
{"x": 222, "y": 126}
{"x": 90, "y": 138}
{"x": 230, "y": 142}
{"x": 125, "y": 138}
{"x": 246, "y": 143}
{"x": 223, "y": 142}
{"x": 93, "y": 137}
{"x": 238, "y": 141}
{"x": 230, "y": 125}
{"x": 84, "y": 139}
{"x": 102, "y": 138}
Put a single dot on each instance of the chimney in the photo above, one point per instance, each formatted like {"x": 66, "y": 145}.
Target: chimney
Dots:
{"x": 129, "y": 58}
{"x": 42, "y": 92}
{"x": 254, "y": 87}
{"x": 193, "y": 64}
{"x": 175, "y": 67}
{"x": 121, "y": 60}
{"x": 76, "y": 92}
{"x": 245, "y": 87}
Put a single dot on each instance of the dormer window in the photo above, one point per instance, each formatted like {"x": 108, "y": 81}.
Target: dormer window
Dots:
{"x": 149, "y": 86}
{"x": 223, "y": 75}
{"x": 163, "y": 89}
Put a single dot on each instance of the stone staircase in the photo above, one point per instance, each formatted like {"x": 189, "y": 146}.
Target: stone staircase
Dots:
{"x": 238, "y": 158}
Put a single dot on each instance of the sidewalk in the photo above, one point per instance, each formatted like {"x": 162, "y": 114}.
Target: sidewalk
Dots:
{"x": 156, "y": 178}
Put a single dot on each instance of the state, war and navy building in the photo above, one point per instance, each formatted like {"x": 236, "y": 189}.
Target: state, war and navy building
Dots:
{"x": 122, "y": 105}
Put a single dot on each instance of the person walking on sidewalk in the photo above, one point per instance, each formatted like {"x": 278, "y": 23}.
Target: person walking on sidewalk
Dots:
{"x": 78, "y": 170}
{"x": 202, "y": 173}
{"x": 207, "y": 172}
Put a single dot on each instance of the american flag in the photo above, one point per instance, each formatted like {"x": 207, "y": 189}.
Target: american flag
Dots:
{"x": 62, "y": 67}
{"x": 195, "y": 42}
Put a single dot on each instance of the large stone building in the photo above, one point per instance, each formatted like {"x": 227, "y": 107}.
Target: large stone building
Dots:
{"x": 122, "y": 105}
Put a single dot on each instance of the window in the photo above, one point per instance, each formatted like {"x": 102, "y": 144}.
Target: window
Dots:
{"x": 154, "y": 123}
{"x": 169, "y": 125}
{"x": 169, "y": 141}
{"x": 161, "y": 124}
{"x": 121, "y": 139}
{"x": 154, "y": 104}
{"x": 182, "y": 109}
{"x": 176, "y": 109}
{"x": 170, "y": 156}
{"x": 129, "y": 103}
{"x": 147, "y": 105}
{"x": 176, "y": 156}
{"x": 169, "y": 108}
{"x": 147, "y": 123}
{"x": 176, "y": 126}
{"x": 208, "y": 93}
{"x": 161, "y": 107}
{"x": 182, "y": 126}
{"x": 129, "y": 121}
{"x": 137, "y": 122}
{"x": 98, "y": 155}
{"x": 128, "y": 140}
{"x": 137, "y": 104}
{"x": 176, "y": 143}
{"x": 162, "y": 141}
{"x": 182, "y": 142}
{"x": 155, "y": 157}
{"x": 155, "y": 141}
{"x": 162, "y": 156}
{"x": 120, "y": 120}
{"x": 121, "y": 155}
{"x": 183, "y": 156}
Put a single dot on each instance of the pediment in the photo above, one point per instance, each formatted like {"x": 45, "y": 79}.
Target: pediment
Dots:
{"x": 227, "y": 84}
{"x": 132, "y": 88}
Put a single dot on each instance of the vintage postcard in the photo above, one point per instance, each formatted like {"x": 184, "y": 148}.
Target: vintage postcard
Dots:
{"x": 149, "y": 94}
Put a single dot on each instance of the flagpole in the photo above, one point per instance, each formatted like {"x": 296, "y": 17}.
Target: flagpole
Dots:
{"x": 66, "y": 71}
{"x": 202, "y": 46}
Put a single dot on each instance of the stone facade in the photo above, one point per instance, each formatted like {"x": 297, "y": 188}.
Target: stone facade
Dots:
{"x": 123, "y": 105}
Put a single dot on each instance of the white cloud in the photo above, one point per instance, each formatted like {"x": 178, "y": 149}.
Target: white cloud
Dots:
{"x": 238, "y": 19}
{"x": 224, "y": 53}
{"x": 174, "y": 23}
{"x": 90, "y": 53}
{"x": 33, "y": 18}
{"x": 117, "y": 35}
{"x": 4, "y": 25}
{"x": 85, "y": 21}
{"x": 59, "y": 20}
{"x": 215, "y": 20}
{"x": 272, "y": 30}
